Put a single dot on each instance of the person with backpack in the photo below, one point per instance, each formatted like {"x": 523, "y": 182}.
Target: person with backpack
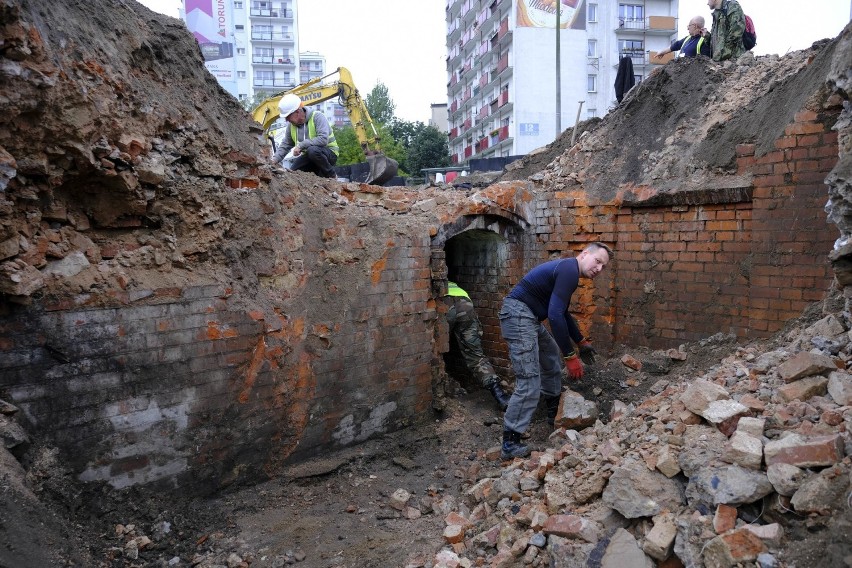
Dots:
{"x": 729, "y": 23}
{"x": 693, "y": 44}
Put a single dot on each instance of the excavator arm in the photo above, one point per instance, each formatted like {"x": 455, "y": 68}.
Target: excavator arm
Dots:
{"x": 314, "y": 92}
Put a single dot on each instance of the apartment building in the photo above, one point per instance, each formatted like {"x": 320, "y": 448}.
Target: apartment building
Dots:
{"x": 501, "y": 66}
{"x": 312, "y": 66}
{"x": 250, "y": 46}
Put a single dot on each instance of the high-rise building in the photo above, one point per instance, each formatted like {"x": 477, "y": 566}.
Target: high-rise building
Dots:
{"x": 502, "y": 66}
{"x": 250, "y": 46}
{"x": 312, "y": 66}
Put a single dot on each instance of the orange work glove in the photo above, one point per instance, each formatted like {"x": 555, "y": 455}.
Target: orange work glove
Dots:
{"x": 575, "y": 368}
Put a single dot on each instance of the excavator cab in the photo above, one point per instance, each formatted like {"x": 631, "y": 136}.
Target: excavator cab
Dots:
{"x": 382, "y": 168}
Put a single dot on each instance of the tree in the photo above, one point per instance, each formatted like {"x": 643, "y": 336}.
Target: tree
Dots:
{"x": 252, "y": 103}
{"x": 379, "y": 104}
{"x": 429, "y": 149}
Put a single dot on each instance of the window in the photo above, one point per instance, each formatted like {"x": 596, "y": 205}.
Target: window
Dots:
{"x": 264, "y": 78}
{"x": 592, "y": 13}
{"x": 637, "y": 78}
{"x": 241, "y": 74}
{"x": 591, "y": 113}
{"x": 631, "y": 15}
{"x": 241, "y": 51}
{"x": 592, "y": 84}
{"x": 631, "y": 47}
{"x": 242, "y": 96}
{"x": 239, "y": 28}
{"x": 238, "y": 5}
{"x": 593, "y": 48}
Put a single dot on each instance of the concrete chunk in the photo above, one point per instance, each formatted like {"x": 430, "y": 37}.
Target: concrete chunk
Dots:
{"x": 698, "y": 396}
{"x": 804, "y": 364}
{"x": 802, "y": 451}
{"x": 803, "y": 389}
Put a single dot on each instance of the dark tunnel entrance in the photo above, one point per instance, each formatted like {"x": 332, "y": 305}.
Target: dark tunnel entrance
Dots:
{"x": 476, "y": 260}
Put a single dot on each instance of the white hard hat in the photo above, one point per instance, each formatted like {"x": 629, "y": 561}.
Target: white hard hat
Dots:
{"x": 288, "y": 104}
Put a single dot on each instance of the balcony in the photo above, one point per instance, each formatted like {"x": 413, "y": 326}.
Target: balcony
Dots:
{"x": 655, "y": 25}
{"x": 271, "y": 13}
{"x": 271, "y": 60}
{"x": 454, "y": 133}
{"x": 483, "y": 113}
{"x": 504, "y": 133}
{"x": 502, "y": 64}
{"x": 468, "y": 152}
{"x": 271, "y": 36}
{"x": 276, "y": 83}
{"x": 482, "y": 145}
{"x": 639, "y": 57}
{"x": 504, "y": 98}
{"x": 466, "y": 126}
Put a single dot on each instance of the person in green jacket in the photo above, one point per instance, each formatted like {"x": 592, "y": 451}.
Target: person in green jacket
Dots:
{"x": 465, "y": 327}
{"x": 726, "y": 36}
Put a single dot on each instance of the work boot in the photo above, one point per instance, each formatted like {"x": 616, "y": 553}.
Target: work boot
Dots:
{"x": 552, "y": 405}
{"x": 512, "y": 446}
{"x": 498, "y": 394}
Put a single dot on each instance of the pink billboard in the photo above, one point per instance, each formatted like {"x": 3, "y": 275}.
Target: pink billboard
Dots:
{"x": 210, "y": 21}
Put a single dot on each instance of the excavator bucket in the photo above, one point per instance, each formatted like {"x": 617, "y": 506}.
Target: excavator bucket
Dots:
{"x": 382, "y": 169}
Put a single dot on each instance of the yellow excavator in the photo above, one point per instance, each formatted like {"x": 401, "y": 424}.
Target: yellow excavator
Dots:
{"x": 314, "y": 92}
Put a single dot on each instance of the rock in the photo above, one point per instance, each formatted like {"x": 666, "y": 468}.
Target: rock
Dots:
{"x": 751, "y": 426}
{"x": 660, "y": 539}
{"x": 631, "y": 362}
{"x": 725, "y": 518}
{"x": 770, "y": 534}
{"x": 804, "y": 364}
{"x": 737, "y": 547}
{"x": 745, "y": 450}
{"x": 731, "y": 485}
{"x": 636, "y": 492}
{"x": 803, "y": 451}
{"x": 12, "y": 433}
{"x": 667, "y": 462}
{"x": 571, "y": 526}
{"x": 828, "y": 327}
{"x": 785, "y": 478}
{"x": 575, "y": 412}
{"x": 399, "y": 499}
{"x": 623, "y": 551}
{"x": 73, "y": 263}
{"x": 725, "y": 414}
{"x": 699, "y": 394}
{"x": 840, "y": 387}
{"x": 823, "y": 492}
{"x": 702, "y": 446}
{"x": 803, "y": 389}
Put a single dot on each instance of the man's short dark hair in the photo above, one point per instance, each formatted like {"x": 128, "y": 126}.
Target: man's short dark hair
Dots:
{"x": 592, "y": 247}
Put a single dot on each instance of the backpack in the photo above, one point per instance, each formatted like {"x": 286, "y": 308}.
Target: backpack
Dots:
{"x": 749, "y": 35}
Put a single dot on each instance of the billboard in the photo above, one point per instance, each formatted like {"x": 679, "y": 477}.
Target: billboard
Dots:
{"x": 542, "y": 14}
{"x": 210, "y": 21}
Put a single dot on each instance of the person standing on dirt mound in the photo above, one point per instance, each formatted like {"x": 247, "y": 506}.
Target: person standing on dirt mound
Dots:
{"x": 692, "y": 45}
{"x": 544, "y": 293}
{"x": 310, "y": 138}
{"x": 726, "y": 37}
{"x": 465, "y": 327}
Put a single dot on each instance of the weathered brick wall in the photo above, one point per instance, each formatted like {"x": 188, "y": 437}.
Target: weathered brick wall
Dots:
{"x": 201, "y": 386}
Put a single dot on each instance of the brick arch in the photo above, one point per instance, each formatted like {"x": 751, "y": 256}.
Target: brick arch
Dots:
{"x": 483, "y": 252}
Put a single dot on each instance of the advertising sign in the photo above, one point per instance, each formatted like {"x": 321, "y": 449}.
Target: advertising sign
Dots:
{"x": 542, "y": 14}
{"x": 210, "y": 22}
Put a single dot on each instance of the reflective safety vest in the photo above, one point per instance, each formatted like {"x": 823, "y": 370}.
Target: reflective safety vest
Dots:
{"x": 312, "y": 133}
{"x": 697, "y": 46}
{"x": 454, "y": 290}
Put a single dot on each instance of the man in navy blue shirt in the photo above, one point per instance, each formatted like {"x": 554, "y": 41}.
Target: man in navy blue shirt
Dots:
{"x": 693, "y": 44}
{"x": 537, "y": 355}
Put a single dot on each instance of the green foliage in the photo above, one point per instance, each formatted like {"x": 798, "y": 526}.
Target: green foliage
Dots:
{"x": 350, "y": 150}
{"x": 429, "y": 149}
{"x": 252, "y": 103}
{"x": 379, "y": 104}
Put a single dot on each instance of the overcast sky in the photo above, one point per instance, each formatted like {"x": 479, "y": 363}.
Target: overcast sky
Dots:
{"x": 405, "y": 48}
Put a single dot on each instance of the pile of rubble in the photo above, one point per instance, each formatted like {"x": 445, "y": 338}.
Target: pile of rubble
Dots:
{"x": 726, "y": 469}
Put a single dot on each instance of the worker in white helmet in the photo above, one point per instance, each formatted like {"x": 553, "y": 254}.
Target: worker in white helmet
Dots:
{"x": 309, "y": 136}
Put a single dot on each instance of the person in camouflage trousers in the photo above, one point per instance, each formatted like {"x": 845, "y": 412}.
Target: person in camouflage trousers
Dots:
{"x": 726, "y": 36}
{"x": 465, "y": 327}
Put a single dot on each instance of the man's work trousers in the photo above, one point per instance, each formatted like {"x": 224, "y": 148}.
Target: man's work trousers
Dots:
{"x": 536, "y": 361}
{"x": 318, "y": 160}
{"x": 465, "y": 327}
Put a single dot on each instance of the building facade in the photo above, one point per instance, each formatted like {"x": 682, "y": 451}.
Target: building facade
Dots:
{"x": 501, "y": 66}
{"x": 250, "y": 46}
